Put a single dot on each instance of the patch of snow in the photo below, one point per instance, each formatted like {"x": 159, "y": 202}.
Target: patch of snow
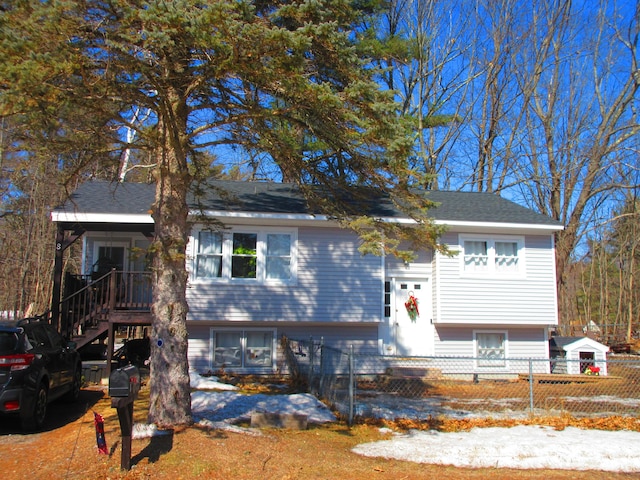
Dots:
{"x": 628, "y": 402}
{"x": 520, "y": 447}
{"x": 145, "y": 430}
{"x": 233, "y": 407}
{"x": 210, "y": 382}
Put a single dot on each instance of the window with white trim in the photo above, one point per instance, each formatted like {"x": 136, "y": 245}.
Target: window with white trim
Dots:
{"x": 491, "y": 348}
{"x": 506, "y": 256}
{"x": 209, "y": 256}
{"x": 492, "y": 256}
{"x": 241, "y": 255}
{"x": 243, "y": 348}
{"x": 476, "y": 256}
{"x": 387, "y": 299}
{"x": 278, "y": 256}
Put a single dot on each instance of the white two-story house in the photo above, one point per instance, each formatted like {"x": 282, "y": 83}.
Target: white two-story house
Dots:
{"x": 277, "y": 268}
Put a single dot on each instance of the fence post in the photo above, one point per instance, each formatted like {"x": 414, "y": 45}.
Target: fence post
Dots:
{"x": 531, "y": 386}
{"x": 351, "y": 385}
{"x": 322, "y": 372}
{"x": 311, "y": 359}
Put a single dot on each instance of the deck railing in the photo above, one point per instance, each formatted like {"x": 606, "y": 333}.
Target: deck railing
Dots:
{"x": 90, "y": 300}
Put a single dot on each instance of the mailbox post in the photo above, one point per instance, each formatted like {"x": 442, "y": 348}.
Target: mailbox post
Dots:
{"x": 124, "y": 385}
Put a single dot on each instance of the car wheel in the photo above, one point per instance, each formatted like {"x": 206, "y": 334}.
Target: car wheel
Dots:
{"x": 34, "y": 419}
{"x": 73, "y": 394}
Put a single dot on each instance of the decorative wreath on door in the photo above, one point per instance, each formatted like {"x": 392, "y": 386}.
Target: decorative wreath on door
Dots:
{"x": 412, "y": 307}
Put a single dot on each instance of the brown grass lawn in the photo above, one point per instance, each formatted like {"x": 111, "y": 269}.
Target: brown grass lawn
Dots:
{"x": 66, "y": 449}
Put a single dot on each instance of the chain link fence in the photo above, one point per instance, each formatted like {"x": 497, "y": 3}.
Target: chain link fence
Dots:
{"x": 364, "y": 384}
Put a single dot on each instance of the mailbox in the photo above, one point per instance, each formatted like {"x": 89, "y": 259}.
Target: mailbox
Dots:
{"x": 125, "y": 382}
{"x": 124, "y": 385}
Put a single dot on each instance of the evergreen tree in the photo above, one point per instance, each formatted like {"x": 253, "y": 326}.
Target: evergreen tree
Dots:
{"x": 210, "y": 73}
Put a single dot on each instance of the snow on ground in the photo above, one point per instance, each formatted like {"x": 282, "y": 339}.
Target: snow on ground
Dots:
{"x": 523, "y": 447}
{"x": 200, "y": 382}
{"x": 222, "y": 409}
{"x": 233, "y": 407}
{"x": 390, "y": 407}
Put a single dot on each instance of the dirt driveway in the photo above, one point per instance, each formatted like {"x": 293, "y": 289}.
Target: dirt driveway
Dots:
{"x": 66, "y": 449}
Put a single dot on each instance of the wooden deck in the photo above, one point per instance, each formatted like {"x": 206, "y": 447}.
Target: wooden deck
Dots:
{"x": 565, "y": 378}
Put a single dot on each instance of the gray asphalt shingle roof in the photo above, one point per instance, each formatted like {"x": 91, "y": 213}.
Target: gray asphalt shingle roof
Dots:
{"x": 563, "y": 341}
{"x": 277, "y": 198}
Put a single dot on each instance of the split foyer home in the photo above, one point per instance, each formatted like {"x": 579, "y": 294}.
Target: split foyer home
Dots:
{"x": 278, "y": 268}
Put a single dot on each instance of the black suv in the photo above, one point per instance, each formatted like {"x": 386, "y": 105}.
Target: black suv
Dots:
{"x": 37, "y": 366}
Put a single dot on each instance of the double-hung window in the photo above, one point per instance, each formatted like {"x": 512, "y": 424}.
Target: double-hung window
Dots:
{"x": 243, "y": 255}
{"x": 209, "y": 256}
{"x": 501, "y": 256}
{"x": 491, "y": 349}
{"x": 278, "y": 256}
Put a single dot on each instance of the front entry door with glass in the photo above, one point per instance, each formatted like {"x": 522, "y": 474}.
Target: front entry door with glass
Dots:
{"x": 412, "y": 329}
{"x": 108, "y": 257}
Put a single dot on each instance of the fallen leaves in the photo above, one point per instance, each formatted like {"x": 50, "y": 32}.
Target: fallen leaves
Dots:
{"x": 612, "y": 423}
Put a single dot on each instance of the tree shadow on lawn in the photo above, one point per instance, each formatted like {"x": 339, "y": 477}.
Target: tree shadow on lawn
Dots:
{"x": 158, "y": 446}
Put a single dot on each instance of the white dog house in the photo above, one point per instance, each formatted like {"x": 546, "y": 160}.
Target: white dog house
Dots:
{"x": 574, "y": 355}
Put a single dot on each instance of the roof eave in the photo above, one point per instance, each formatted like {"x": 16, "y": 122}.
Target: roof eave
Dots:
{"x": 502, "y": 226}
{"x": 79, "y": 217}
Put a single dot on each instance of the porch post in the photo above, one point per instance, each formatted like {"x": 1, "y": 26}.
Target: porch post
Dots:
{"x": 110, "y": 346}
{"x": 57, "y": 280}
{"x": 113, "y": 284}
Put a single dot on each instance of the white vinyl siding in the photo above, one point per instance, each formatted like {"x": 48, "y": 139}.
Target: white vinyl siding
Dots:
{"x": 420, "y": 266}
{"x": 363, "y": 338}
{"x": 526, "y": 299}
{"x": 334, "y": 283}
{"x": 528, "y": 342}
{"x": 521, "y": 344}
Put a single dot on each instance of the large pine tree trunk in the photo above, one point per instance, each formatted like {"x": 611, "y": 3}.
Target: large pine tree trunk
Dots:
{"x": 170, "y": 396}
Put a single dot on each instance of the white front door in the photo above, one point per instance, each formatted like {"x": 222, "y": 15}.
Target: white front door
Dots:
{"x": 412, "y": 330}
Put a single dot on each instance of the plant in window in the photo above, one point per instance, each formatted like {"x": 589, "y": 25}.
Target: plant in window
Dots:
{"x": 244, "y": 262}
{"x": 244, "y": 251}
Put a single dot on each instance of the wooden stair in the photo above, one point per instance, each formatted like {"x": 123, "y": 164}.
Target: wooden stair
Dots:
{"x": 92, "y": 310}
{"x": 92, "y": 333}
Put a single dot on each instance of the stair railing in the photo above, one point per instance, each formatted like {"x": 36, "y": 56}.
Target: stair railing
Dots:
{"x": 115, "y": 290}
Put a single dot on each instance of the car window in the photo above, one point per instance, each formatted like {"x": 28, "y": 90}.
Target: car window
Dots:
{"x": 8, "y": 343}
{"x": 38, "y": 337}
{"x": 54, "y": 337}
